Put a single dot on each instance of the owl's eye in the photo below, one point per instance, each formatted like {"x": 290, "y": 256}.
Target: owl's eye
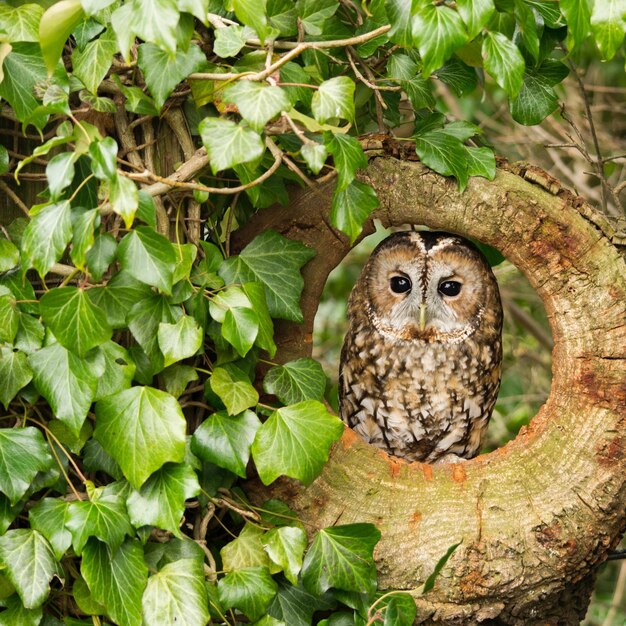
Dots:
{"x": 400, "y": 284}
{"x": 450, "y": 288}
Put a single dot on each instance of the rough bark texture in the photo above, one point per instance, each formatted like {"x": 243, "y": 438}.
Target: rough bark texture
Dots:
{"x": 534, "y": 517}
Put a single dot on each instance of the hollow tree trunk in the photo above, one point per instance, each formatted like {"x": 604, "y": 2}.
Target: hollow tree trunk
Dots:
{"x": 536, "y": 516}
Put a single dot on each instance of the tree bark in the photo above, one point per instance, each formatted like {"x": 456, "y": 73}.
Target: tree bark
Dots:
{"x": 536, "y": 516}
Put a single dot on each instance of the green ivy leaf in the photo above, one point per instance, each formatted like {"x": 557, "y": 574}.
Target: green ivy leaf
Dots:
{"x": 250, "y": 590}
{"x": 578, "y": 16}
{"x": 100, "y": 256}
{"x": 118, "y": 370}
{"x": 176, "y": 594}
{"x": 97, "y": 460}
{"x": 314, "y": 13}
{"x": 176, "y": 378}
{"x": 23, "y": 454}
{"x": 30, "y": 565}
{"x": 460, "y": 77}
{"x": 400, "y": 18}
{"x": 438, "y": 31}
{"x": 299, "y": 380}
{"x": 295, "y": 606}
{"x": 295, "y": 441}
{"x": 123, "y": 195}
{"x": 285, "y": 547}
{"x": 9, "y": 255}
{"x": 607, "y": 25}
{"x": 116, "y": 579}
{"x": 21, "y": 23}
{"x": 66, "y": 381}
{"x": 400, "y": 610}
{"x": 240, "y": 328}
{"x": 351, "y": 207}
{"x": 92, "y": 63}
{"x": 245, "y": 551}
{"x": 481, "y": 162}
{"x": 537, "y": 98}
{"x": 504, "y": 61}
{"x": 76, "y": 322}
{"x": 444, "y": 153}
{"x": 253, "y": 13}
{"x": 228, "y": 143}
{"x": 10, "y": 316}
{"x": 149, "y": 257}
{"x": 141, "y": 428}
{"x": 275, "y": 262}
{"x": 348, "y": 156}
{"x": 84, "y": 599}
{"x": 164, "y": 71}
{"x": 185, "y": 256}
{"x": 83, "y": 225}
{"x": 225, "y": 440}
{"x": 257, "y": 103}
{"x": 476, "y": 14}
{"x": 60, "y": 173}
{"x": 341, "y": 557}
{"x": 180, "y": 340}
{"x": 103, "y": 516}
{"x": 334, "y": 99}
{"x": 48, "y": 517}
{"x": 229, "y": 41}
{"x": 46, "y": 237}
{"x": 430, "y": 581}
{"x": 55, "y": 27}
{"x": 265, "y": 335}
{"x": 233, "y": 388}
{"x": 315, "y": 155}
{"x": 15, "y": 374}
{"x": 30, "y": 334}
{"x": 17, "y": 615}
{"x": 161, "y": 500}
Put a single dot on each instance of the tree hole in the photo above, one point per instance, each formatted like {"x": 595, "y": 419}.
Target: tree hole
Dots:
{"x": 527, "y": 340}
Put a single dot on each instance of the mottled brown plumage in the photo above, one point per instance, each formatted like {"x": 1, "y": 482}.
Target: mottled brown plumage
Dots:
{"x": 420, "y": 365}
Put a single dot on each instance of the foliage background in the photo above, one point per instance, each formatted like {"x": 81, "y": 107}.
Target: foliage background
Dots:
{"x": 132, "y": 334}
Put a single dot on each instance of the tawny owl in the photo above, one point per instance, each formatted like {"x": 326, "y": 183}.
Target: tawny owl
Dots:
{"x": 420, "y": 364}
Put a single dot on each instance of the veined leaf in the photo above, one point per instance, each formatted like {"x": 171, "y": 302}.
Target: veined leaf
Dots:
{"x": 351, "y": 207}
{"x": 141, "y": 428}
{"x": 161, "y": 500}
{"x": 341, "y": 557}
{"x": 116, "y": 579}
{"x": 504, "y": 61}
{"x": 245, "y": 551}
{"x": 233, "y": 388}
{"x": 21, "y": 23}
{"x": 348, "y": 156}
{"x": 55, "y": 27}
{"x": 299, "y": 380}
{"x": 334, "y": 99}
{"x": 475, "y": 14}
{"x": 578, "y": 16}
{"x": 14, "y": 373}
{"x": 225, "y": 440}
{"x": 250, "y": 590}
{"x": 76, "y": 322}
{"x": 256, "y": 102}
{"x": 176, "y": 594}
{"x": 48, "y": 517}
{"x": 92, "y": 63}
{"x": 180, "y": 340}
{"x": 30, "y": 565}
{"x": 295, "y": 441}
{"x": 285, "y": 547}
{"x": 608, "y": 25}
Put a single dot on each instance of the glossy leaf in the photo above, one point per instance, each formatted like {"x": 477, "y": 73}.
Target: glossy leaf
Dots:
{"x": 229, "y": 41}
{"x": 348, "y": 156}
{"x": 400, "y": 610}
{"x": 438, "y": 30}
{"x": 578, "y": 16}
{"x": 228, "y": 143}
{"x": 250, "y": 590}
{"x": 161, "y": 500}
{"x": 430, "y": 581}
{"x": 257, "y": 103}
{"x": 295, "y": 441}
{"x": 608, "y": 26}
{"x": 48, "y": 517}
{"x": 23, "y": 454}
{"x": 176, "y": 594}
{"x": 102, "y": 516}
{"x": 275, "y": 262}
{"x": 21, "y": 23}
{"x": 15, "y": 373}
{"x": 116, "y": 579}
{"x": 83, "y": 225}
{"x": 314, "y": 13}
{"x": 351, "y": 207}
{"x": 246, "y": 550}
{"x": 285, "y": 547}
{"x": 299, "y": 380}
{"x": 475, "y": 14}
{"x": 30, "y": 564}
{"x": 180, "y": 340}
{"x": 164, "y": 71}
{"x": 76, "y": 322}
{"x": 444, "y": 153}
{"x": 149, "y": 257}
{"x": 55, "y": 27}
{"x": 253, "y": 13}
{"x": 141, "y": 428}
{"x": 46, "y": 237}
{"x": 124, "y": 198}
{"x": 504, "y": 61}
{"x": 100, "y": 256}
{"x": 92, "y": 63}
{"x": 60, "y": 173}
{"x": 118, "y": 370}
{"x": 341, "y": 557}
{"x": 334, "y": 99}
{"x": 315, "y": 155}
{"x": 233, "y": 388}
{"x": 295, "y": 606}
{"x": 9, "y": 255}
{"x": 225, "y": 440}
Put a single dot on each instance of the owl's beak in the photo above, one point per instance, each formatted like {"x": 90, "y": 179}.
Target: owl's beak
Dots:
{"x": 422, "y": 316}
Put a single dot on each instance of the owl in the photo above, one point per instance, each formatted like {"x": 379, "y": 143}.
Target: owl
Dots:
{"x": 420, "y": 364}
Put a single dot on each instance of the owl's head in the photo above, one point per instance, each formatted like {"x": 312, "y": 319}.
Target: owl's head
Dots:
{"x": 429, "y": 286}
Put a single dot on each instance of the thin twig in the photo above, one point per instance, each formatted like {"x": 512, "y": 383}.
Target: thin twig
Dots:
{"x": 16, "y": 199}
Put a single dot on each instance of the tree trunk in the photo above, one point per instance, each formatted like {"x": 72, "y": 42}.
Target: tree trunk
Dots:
{"x": 536, "y": 516}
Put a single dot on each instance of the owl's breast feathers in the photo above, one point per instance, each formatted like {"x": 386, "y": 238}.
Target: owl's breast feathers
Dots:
{"x": 419, "y": 399}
